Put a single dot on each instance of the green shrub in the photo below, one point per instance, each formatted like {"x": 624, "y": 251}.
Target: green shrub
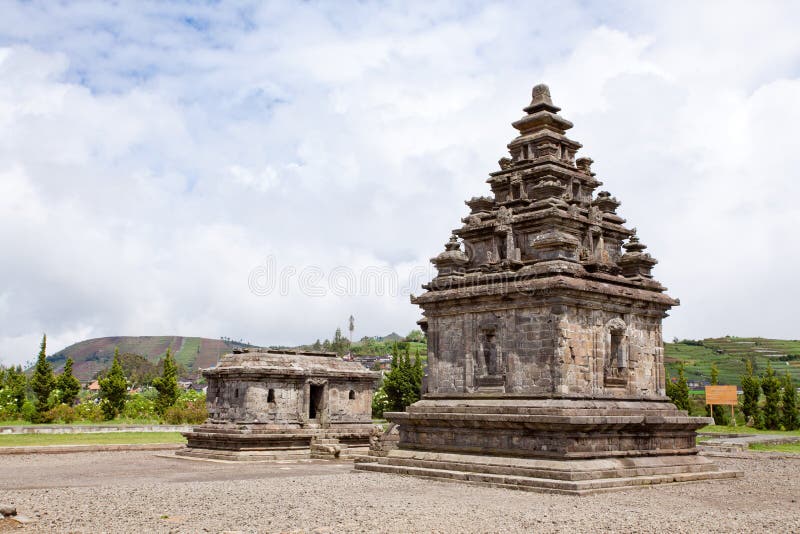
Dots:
{"x": 28, "y": 411}
{"x": 189, "y": 408}
{"x": 139, "y": 407}
{"x": 61, "y": 413}
{"x": 89, "y": 411}
{"x": 379, "y": 403}
{"x": 8, "y": 405}
{"x": 192, "y": 412}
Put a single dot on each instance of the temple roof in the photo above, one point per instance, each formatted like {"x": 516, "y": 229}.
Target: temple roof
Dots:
{"x": 544, "y": 218}
{"x": 289, "y": 363}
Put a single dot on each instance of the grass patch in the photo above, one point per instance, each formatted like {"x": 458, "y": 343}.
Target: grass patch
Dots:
{"x": 100, "y": 438}
{"x": 720, "y": 429}
{"x": 776, "y": 447}
{"x": 114, "y": 422}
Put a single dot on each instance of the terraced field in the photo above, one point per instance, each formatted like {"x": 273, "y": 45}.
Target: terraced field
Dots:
{"x": 731, "y": 355}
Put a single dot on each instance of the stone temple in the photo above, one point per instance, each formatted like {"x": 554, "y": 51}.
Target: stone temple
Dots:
{"x": 545, "y": 354}
{"x": 276, "y": 404}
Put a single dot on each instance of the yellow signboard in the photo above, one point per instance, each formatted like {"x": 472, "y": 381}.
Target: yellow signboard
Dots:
{"x": 716, "y": 395}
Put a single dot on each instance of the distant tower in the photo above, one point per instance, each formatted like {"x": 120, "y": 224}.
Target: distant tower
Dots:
{"x": 544, "y": 336}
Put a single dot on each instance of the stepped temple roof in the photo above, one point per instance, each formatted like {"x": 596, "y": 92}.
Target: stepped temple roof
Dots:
{"x": 544, "y": 223}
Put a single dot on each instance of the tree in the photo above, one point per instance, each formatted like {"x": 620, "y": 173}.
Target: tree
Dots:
{"x": 416, "y": 336}
{"x": 403, "y": 383}
{"x": 68, "y": 386}
{"x": 719, "y": 415}
{"x": 678, "y": 391}
{"x": 340, "y": 342}
{"x": 751, "y": 391}
{"x": 316, "y": 346}
{"x": 791, "y": 416}
{"x": 113, "y": 389}
{"x": 13, "y": 384}
{"x": 43, "y": 382}
{"x": 771, "y": 387}
{"x": 166, "y": 385}
{"x": 138, "y": 369}
{"x": 351, "y": 325}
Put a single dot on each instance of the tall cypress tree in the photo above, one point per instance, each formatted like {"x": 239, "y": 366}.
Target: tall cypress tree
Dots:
{"x": 771, "y": 387}
{"x": 678, "y": 391}
{"x": 403, "y": 382}
{"x": 719, "y": 415}
{"x": 113, "y": 389}
{"x": 791, "y": 417}
{"x": 751, "y": 391}
{"x": 166, "y": 385}
{"x": 43, "y": 382}
{"x": 68, "y": 386}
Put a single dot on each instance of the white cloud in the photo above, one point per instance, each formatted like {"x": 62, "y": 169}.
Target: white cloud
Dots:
{"x": 147, "y": 167}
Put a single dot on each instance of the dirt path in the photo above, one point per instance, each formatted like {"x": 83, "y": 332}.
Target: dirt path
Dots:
{"x": 137, "y": 492}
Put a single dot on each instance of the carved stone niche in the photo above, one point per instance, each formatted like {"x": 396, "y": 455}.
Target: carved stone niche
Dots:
{"x": 549, "y": 187}
{"x": 616, "y": 362}
{"x": 490, "y": 370}
{"x": 554, "y": 244}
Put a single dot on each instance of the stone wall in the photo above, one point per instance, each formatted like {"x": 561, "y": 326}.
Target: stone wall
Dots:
{"x": 250, "y": 401}
{"x": 544, "y": 349}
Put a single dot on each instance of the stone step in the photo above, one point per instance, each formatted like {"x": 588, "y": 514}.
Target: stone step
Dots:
{"x": 543, "y": 484}
{"x": 565, "y": 473}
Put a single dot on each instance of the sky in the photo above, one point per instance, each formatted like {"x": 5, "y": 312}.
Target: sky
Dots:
{"x": 264, "y": 170}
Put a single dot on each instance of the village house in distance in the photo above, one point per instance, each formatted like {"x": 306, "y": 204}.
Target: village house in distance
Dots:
{"x": 274, "y": 404}
{"x": 545, "y": 353}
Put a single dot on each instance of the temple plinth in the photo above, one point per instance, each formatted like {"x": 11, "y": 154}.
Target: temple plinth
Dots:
{"x": 545, "y": 354}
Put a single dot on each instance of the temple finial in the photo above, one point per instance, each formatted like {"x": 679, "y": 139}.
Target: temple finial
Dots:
{"x": 541, "y": 100}
{"x": 541, "y": 95}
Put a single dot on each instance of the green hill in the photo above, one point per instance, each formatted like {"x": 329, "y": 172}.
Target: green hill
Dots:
{"x": 731, "y": 355}
{"x": 94, "y": 355}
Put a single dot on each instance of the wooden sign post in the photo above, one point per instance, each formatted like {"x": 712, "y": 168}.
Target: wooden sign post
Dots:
{"x": 722, "y": 395}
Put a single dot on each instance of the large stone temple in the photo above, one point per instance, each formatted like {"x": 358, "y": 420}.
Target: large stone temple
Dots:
{"x": 277, "y": 404}
{"x": 545, "y": 354}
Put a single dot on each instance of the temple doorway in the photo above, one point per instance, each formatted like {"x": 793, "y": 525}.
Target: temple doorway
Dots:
{"x": 315, "y": 401}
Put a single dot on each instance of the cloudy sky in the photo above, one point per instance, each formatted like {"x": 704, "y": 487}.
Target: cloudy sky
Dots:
{"x": 264, "y": 170}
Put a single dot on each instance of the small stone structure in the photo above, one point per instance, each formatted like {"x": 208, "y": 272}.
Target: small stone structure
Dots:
{"x": 276, "y": 404}
{"x": 545, "y": 354}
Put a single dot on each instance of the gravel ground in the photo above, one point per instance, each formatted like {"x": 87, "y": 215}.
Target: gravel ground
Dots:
{"x": 146, "y": 492}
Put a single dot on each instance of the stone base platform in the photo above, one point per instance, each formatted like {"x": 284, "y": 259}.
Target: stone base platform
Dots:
{"x": 572, "y": 477}
{"x": 561, "y": 445}
{"x": 261, "y": 443}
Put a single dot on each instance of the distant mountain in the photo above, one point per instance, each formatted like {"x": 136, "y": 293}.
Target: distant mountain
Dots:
{"x": 94, "y": 355}
{"x": 394, "y": 336}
